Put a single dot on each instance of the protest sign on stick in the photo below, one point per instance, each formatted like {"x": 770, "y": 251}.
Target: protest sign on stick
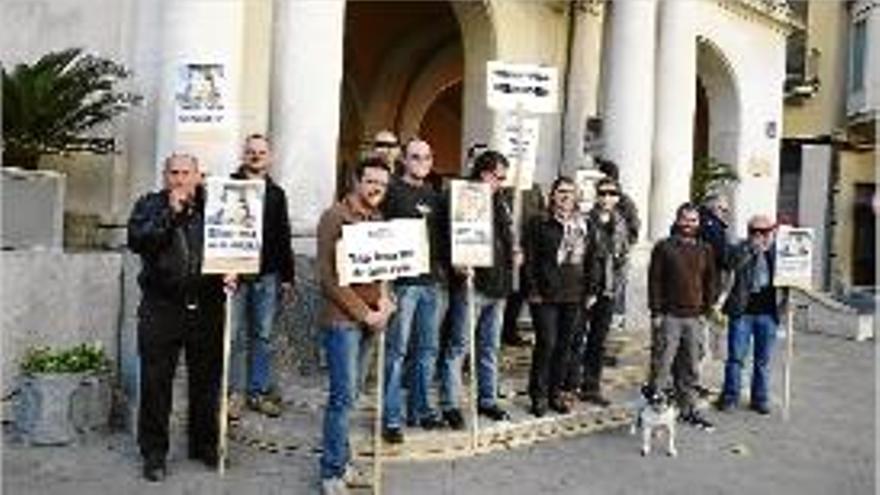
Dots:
{"x": 233, "y": 238}
{"x": 471, "y": 224}
{"x": 370, "y": 251}
{"x": 793, "y": 270}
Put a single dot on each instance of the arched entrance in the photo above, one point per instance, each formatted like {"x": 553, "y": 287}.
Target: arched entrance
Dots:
{"x": 403, "y": 61}
{"x": 717, "y": 110}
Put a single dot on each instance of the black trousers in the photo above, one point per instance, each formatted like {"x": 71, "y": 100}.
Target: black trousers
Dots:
{"x": 164, "y": 329}
{"x": 554, "y": 331}
{"x": 600, "y": 321}
{"x": 512, "y": 307}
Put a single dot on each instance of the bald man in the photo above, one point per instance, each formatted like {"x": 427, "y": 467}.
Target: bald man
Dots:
{"x": 180, "y": 308}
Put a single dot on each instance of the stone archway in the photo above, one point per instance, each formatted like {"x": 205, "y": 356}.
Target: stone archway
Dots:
{"x": 407, "y": 62}
{"x": 717, "y": 116}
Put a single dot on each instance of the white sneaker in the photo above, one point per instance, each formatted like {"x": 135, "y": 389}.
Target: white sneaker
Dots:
{"x": 356, "y": 476}
{"x": 333, "y": 486}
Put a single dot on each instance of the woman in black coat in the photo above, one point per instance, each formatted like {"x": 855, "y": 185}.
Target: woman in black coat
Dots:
{"x": 555, "y": 280}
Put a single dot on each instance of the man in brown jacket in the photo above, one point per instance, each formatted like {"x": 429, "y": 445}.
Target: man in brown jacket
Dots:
{"x": 681, "y": 286}
{"x": 349, "y": 314}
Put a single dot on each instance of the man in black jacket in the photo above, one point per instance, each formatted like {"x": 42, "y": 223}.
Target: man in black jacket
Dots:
{"x": 180, "y": 308}
{"x": 491, "y": 286}
{"x": 255, "y": 302}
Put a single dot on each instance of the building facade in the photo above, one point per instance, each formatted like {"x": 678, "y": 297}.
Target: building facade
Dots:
{"x": 828, "y": 159}
{"x": 320, "y": 76}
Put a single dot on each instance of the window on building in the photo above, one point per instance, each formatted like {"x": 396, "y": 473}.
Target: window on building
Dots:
{"x": 796, "y": 43}
{"x": 859, "y": 49}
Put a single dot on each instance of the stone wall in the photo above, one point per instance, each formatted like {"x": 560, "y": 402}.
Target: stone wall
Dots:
{"x": 57, "y": 299}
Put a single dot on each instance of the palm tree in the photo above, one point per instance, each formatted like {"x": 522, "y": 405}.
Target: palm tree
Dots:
{"x": 710, "y": 175}
{"x": 56, "y": 104}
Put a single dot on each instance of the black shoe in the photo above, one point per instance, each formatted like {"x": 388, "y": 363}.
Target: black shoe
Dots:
{"x": 762, "y": 409}
{"x": 515, "y": 340}
{"x": 560, "y": 406}
{"x": 454, "y": 419}
{"x": 594, "y": 397}
{"x": 431, "y": 423}
{"x": 208, "y": 456}
{"x": 392, "y": 435}
{"x": 697, "y": 420}
{"x": 494, "y": 412}
{"x": 539, "y": 408}
{"x": 154, "y": 470}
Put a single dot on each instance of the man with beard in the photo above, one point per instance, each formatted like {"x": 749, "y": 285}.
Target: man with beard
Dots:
{"x": 255, "y": 302}
{"x": 349, "y": 315}
{"x": 681, "y": 290}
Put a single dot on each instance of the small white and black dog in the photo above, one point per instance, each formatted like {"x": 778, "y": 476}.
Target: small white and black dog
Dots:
{"x": 655, "y": 411}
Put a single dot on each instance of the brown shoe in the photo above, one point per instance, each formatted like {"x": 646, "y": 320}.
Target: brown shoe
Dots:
{"x": 264, "y": 405}
{"x": 233, "y": 407}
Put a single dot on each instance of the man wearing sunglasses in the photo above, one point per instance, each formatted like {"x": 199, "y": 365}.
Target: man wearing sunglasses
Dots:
{"x": 754, "y": 314}
{"x": 386, "y": 147}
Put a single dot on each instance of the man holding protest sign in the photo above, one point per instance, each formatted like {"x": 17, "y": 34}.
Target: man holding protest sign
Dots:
{"x": 419, "y": 299}
{"x": 492, "y": 284}
{"x": 255, "y": 302}
{"x": 180, "y": 308}
{"x": 349, "y": 314}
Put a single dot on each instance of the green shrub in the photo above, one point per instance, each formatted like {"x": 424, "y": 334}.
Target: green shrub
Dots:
{"x": 79, "y": 359}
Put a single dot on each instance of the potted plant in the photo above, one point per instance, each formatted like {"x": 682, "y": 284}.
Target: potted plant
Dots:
{"x": 56, "y": 105}
{"x": 710, "y": 175}
{"x": 61, "y": 392}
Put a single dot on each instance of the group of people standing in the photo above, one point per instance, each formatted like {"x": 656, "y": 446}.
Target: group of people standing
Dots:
{"x": 573, "y": 266}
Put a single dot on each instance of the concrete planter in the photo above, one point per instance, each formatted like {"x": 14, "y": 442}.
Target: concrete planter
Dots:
{"x": 51, "y": 409}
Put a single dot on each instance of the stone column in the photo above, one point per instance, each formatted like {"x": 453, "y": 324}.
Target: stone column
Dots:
{"x": 628, "y": 95}
{"x": 674, "y": 114}
{"x": 304, "y": 121}
{"x": 583, "y": 89}
{"x": 201, "y": 32}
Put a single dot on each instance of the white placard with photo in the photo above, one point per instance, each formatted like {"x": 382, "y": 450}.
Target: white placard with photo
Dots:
{"x": 371, "y": 251}
{"x": 794, "y": 257}
{"x": 519, "y": 143}
{"x": 201, "y": 96}
{"x": 585, "y": 180}
{"x": 233, "y": 225}
{"x": 471, "y": 223}
{"x": 530, "y": 87}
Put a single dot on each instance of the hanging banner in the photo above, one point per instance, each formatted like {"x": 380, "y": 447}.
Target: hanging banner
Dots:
{"x": 794, "y": 257}
{"x": 233, "y": 225}
{"x": 471, "y": 223}
{"x": 201, "y": 96}
{"x": 530, "y": 87}
{"x": 370, "y": 251}
{"x": 519, "y": 143}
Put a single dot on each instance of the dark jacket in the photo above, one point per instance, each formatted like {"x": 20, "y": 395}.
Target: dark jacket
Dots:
{"x": 170, "y": 246}
{"x": 627, "y": 208}
{"x": 407, "y": 201}
{"x": 544, "y": 276}
{"x": 741, "y": 261}
{"x": 607, "y": 254}
{"x": 276, "y": 254}
{"x": 681, "y": 278}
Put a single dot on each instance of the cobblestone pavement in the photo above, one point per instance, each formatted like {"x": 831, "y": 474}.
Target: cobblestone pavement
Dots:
{"x": 826, "y": 448}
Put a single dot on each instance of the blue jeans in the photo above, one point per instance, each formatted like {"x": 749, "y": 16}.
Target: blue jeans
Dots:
{"x": 489, "y": 313}
{"x": 253, "y": 313}
{"x": 345, "y": 347}
{"x": 419, "y": 307}
{"x": 761, "y": 328}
